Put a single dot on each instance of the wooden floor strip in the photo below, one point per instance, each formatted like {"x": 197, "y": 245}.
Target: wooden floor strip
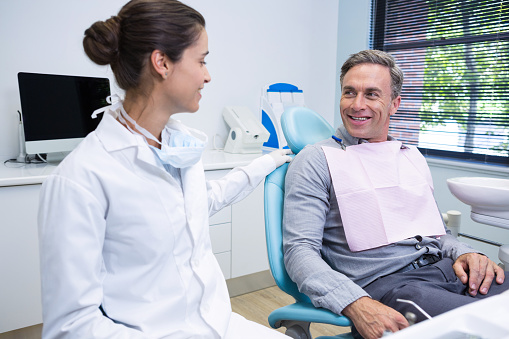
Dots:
{"x": 256, "y": 306}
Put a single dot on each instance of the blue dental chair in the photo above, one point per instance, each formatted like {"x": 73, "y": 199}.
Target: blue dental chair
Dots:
{"x": 301, "y": 126}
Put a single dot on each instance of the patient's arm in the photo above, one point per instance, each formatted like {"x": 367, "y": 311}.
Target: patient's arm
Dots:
{"x": 453, "y": 248}
{"x": 306, "y": 206}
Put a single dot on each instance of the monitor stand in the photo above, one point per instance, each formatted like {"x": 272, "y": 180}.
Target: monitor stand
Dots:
{"x": 55, "y": 158}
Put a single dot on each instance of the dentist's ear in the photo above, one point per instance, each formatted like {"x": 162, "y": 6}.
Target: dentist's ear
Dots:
{"x": 161, "y": 64}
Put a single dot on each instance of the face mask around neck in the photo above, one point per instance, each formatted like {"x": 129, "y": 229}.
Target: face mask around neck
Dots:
{"x": 178, "y": 149}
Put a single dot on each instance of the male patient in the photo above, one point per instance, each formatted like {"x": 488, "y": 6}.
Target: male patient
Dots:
{"x": 361, "y": 226}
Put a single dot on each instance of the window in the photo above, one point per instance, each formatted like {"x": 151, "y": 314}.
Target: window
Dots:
{"x": 455, "y": 56}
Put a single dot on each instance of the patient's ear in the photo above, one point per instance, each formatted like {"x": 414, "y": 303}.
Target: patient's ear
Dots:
{"x": 395, "y": 105}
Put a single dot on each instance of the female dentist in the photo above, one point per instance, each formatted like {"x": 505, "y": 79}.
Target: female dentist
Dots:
{"x": 123, "y": 221}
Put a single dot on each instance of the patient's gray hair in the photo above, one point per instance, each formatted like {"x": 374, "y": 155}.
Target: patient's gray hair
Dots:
{"x": 373, "y": 56}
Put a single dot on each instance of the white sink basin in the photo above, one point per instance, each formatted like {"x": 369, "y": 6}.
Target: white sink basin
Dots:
{"x": 488, "y": 198}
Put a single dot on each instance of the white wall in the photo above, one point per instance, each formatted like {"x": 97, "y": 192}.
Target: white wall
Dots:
{"x": 353, "y": 36}
{"x": 252, "y": 44}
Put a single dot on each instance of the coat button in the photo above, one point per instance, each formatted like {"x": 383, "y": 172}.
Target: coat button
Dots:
{"x": 417, "y": 246}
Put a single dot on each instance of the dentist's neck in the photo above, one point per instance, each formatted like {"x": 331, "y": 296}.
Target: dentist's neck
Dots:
{"x": 147, "y": 113}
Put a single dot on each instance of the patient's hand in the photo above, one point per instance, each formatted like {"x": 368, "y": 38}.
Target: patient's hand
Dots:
{"x": 371, "y": 318}
{"x": 479, "y": 271}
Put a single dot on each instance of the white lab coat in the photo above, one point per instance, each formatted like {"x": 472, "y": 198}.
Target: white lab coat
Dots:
{"x": 118, "y": 230}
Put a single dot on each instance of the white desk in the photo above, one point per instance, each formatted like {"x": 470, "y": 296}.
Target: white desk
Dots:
{"x": 237, "y": 233}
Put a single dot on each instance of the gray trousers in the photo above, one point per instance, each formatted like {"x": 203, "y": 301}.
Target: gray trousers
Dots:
{"x": 435, "y": 288}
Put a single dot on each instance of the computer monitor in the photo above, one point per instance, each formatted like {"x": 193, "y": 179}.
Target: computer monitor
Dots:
{"x": 57, "y": 109}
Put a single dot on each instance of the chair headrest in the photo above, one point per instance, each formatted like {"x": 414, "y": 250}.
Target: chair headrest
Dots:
{"x": 302, "y": 126}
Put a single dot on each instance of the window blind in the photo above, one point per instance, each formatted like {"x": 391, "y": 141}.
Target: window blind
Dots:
{"x": 455, "y": 56}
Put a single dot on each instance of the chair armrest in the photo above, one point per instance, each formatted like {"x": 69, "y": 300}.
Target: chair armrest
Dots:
{"x": 306, "y": 312}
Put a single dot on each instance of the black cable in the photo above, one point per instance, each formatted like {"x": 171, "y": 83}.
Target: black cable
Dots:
{"x": 28, "y": 160}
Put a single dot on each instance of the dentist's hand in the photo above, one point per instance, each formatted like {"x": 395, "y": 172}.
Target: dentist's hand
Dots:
{"x": 281, "y": 156}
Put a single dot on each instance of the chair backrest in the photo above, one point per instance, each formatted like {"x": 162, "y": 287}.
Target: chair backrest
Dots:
{"x": 273, "y": 206}
{"x": 301, "y": 126}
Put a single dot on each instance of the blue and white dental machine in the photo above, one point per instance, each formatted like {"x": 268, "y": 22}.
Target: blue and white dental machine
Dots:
{"x": 274, "y": 100}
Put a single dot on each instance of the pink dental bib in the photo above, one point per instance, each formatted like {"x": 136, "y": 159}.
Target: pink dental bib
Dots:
{"x": 384, "y": 194}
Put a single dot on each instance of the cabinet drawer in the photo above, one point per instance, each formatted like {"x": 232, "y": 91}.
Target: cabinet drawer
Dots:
{"x": 20, "y": 291}
{"x": 221, "y": 237}
{"x": 224, "y": 260}
{"x": 224, "y": 215}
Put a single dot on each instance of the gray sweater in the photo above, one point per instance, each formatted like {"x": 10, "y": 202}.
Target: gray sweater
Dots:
{"x": 317, "y": 256}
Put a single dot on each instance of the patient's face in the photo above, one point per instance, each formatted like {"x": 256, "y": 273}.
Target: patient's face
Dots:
{"x": 366, "y": 104}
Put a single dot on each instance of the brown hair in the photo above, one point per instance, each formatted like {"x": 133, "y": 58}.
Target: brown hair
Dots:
{"x": 373, "y": 56}
{"x": 126, "y": 41}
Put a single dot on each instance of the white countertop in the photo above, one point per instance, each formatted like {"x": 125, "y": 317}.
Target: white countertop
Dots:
{"x": 13, "y": 174}
{"x": 218, "y": 160}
